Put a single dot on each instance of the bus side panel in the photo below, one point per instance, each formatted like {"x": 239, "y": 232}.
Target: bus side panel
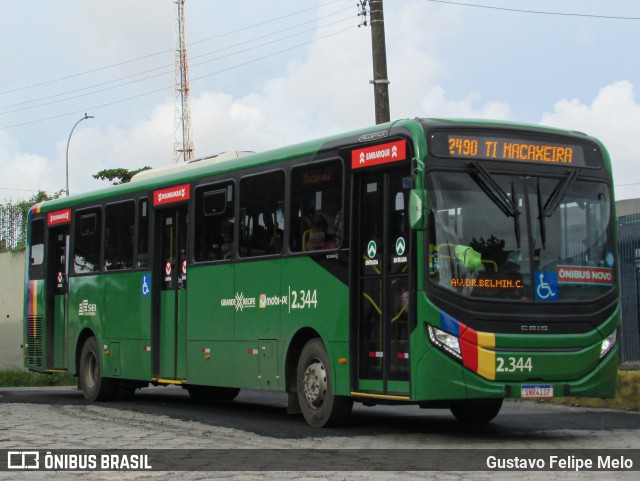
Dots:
{"x": 210, "y": 297}
{"x": 128, "y": 314}
{"x": 256, "y": 317}
{"x": 128, "y": 310}
{"x": 315, "y": 298}
{"x": 318, "y": 300}
{"x": 87, "y": 309}
{"x": 223, "y": 363}
{"x": 257, "y": 321}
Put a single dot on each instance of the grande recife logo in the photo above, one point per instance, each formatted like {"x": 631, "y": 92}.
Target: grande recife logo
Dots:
{"x": 173, "y": 194}
{"x": 379, "y": 154}
{"x": 59, "y": 217}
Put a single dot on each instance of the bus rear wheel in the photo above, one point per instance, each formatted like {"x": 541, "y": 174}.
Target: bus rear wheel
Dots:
{"x": 93, "y": 385}
{"x": 478, "y": 411}
{"x": 319, "y": 406}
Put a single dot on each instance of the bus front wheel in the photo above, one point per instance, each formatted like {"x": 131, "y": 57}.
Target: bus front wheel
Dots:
{"x": 319, "y": 406}
{"x": 478, "y": 411}
{"x": 94, "y": 386}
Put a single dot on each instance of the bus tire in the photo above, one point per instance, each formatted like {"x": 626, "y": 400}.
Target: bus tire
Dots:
{"x": 93, "y": 385}
{"x": 319, "y": 406}
{"x": 478, "y": 411}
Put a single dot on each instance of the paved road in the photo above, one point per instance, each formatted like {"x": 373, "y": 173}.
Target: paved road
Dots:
{"x": 58, "y": 418}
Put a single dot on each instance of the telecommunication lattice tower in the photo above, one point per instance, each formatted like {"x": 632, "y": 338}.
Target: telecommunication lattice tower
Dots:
{"x": 183, "y": 143}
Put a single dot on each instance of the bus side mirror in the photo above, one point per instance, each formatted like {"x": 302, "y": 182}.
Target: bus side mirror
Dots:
{"x": 417, "y": 204}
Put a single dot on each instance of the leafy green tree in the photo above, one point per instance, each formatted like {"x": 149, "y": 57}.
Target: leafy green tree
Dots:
{"x": 118, "y": 176}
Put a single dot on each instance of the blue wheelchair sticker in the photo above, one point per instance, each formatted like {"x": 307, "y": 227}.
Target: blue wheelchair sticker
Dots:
{"x": 146, "y": 285}
{"x": 546, "y": 286}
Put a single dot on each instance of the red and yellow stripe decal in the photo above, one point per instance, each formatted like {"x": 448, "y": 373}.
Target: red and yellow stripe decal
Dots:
{"x": 476, "y": 347}
{"x": 32, "y": 309}
{"x": 474, "y": 354}
{"x": 32, "y": 306}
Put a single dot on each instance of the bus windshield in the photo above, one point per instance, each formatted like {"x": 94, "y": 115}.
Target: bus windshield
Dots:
{"x": 515, "y": 237}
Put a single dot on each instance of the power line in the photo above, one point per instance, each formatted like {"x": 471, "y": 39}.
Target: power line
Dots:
{"x": 18, "y": 190}
{"x": 167, "y": 68}
{"x": 537, "y": 12}
{"x": 124, "y": 62}
{"x": 108, "y": 104}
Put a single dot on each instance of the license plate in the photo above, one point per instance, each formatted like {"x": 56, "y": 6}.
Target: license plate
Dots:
{"x": 536, "y": 390}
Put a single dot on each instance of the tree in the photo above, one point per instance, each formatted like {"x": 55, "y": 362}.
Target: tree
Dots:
{"x": 13, "y": 221}
{"x": 118, "y": 176}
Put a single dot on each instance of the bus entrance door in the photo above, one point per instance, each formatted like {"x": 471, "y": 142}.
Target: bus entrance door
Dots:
{"x": 381, "y": 294}
{"x": 57, "y": 299}
{"x": 169, "y": 331}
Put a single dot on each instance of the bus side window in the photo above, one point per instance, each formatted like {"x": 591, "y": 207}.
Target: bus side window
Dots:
{"x": 316, "y": 207}
{"x": 215, "y": 216}
{"x": 87, "y": 240}
{"x": 143, "y": 234}
{"x": 36, "y": 250}
{"x": 119, "y": 230}
{"x": 262, "y": 214}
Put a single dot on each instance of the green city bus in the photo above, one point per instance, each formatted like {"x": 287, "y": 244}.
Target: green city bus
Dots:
{"x": 444, "y": 263}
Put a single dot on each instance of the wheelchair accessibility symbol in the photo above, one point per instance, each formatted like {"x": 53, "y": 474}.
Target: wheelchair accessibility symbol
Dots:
{"x": 546, "y": 285}
{"x": 146, "y": 282}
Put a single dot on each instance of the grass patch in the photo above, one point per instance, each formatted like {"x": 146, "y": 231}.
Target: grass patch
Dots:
{"x": 21, "y": 378}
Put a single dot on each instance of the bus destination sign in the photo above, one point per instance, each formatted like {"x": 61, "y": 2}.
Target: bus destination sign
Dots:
{"x": 507, "y": 148}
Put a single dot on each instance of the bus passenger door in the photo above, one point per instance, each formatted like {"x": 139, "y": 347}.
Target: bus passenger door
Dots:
{"x": 380, "y": 295}
{"x": 57, "y": 296}
{"x": 169, "y": 332}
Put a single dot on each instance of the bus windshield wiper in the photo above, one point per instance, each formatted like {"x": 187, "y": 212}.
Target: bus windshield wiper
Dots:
{"x": 553, "y": 201}
{"x": 558, "y": 194}
{"x": 498, "y": 196}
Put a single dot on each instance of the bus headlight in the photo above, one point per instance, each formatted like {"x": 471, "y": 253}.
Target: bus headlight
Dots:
{"x": 445, "y": 341}
{"x": 608, "y": 343}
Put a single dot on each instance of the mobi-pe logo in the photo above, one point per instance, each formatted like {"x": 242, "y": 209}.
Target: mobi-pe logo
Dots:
{"x": 173, "y": 194}
{"x": 379, "y": 154}
{"x": 59, "y": 217}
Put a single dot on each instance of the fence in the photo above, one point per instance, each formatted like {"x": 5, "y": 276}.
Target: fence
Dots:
{"x": 629, "y": 239}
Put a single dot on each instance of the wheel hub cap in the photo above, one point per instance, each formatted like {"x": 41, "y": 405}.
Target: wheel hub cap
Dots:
{"x": 315, "y": 384}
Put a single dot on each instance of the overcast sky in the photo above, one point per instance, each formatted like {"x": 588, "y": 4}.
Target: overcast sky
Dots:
{"x": 269, "y": 73}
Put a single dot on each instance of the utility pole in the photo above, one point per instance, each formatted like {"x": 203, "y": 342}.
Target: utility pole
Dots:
{"x": 183, "y": 145}
{"x": 379, "y": 49}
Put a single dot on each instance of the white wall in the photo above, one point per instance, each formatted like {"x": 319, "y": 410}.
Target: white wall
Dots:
{"x": 11, "y": 302}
